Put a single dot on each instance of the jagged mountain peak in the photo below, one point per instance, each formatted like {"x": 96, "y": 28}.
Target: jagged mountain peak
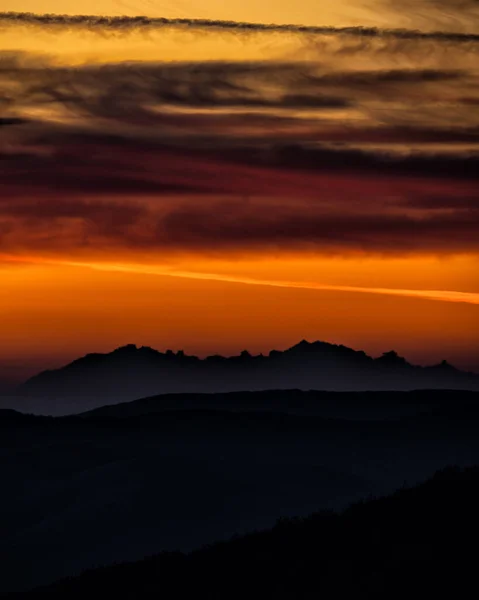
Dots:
{"x": 132, "y": 371}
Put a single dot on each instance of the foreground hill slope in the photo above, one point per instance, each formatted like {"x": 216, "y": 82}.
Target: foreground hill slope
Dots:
{"x": 413, "y": 543}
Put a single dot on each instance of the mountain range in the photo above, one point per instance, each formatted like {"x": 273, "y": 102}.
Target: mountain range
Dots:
{"x": 132, "y": 372}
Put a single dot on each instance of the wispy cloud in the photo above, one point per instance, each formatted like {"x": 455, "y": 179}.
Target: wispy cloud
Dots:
{"x": 128, "y": 24}
{"x": 455, "y": 15}
{"x": 434, "y": 295}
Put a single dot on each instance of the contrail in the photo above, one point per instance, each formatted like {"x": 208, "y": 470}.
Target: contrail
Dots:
{"x": 139, "y": 269}
{"x": 438, "y": 295}
{"x": 128, "y": 24}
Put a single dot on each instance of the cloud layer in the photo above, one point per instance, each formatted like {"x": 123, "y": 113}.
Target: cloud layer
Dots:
{"x": 357, "y": 148}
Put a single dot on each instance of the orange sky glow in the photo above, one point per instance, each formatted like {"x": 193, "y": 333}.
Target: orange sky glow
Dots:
{"x": 213, "y": 191}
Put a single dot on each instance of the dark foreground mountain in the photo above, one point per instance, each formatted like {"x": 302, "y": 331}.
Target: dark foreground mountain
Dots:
{"x": 128, "y": 481}
{"x": 419, "y": 542}
{"x": 130, "y": 372}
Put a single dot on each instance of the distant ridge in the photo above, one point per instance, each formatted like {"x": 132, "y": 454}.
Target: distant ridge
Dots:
{"x": 130, "y": 372}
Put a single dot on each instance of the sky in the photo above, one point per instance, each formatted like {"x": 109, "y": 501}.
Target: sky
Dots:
{"x": 215, "y": 186}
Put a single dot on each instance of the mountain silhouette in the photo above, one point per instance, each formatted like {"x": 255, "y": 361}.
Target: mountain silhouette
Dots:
{"x": 132, "y": 372}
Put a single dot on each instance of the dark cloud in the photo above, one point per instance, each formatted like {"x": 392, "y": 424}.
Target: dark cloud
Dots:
{"x": 317, "y": 158}
{"x": 129, "y": 24}
{"x": 114, "y": 213}
{"x": 231, "y": 226}
{"x": 132, "y": 93}
{"x": 130, "y": 89}
{"x": 470, "y": 101}
{"x": 235, "y": 209}
{"x": 393, "y": 77}
{"x": 453, "y": 202}
{"x": 290, "y": 228}
{"x": 6, "y": 121}
{"x": 78, "y": 175}
{"x": 390, "y": 134}
{"x": 455, "y": 15}
{"x": 96, "y": 164}
{"x": 91, "y": 193}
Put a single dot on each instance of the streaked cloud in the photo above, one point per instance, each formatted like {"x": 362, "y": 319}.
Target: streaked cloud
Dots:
{"x": 299, "y": 153}
{"x": 143, "y": 23}
{"x": 141, "y": 269}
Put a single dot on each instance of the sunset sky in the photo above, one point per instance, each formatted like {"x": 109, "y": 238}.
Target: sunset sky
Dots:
{"x": 215, "y": 186}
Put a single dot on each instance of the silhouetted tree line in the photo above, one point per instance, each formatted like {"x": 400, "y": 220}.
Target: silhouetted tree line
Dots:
{"x": 415, "y": 543}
